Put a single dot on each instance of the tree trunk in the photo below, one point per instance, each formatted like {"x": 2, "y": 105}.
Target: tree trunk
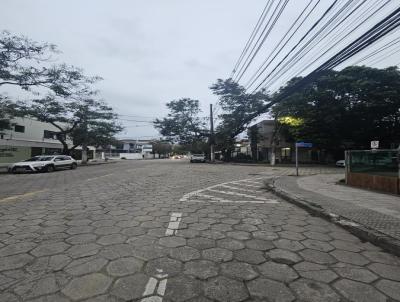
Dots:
{"x": 273, "y": 156}
{"x": 84, "y": 154}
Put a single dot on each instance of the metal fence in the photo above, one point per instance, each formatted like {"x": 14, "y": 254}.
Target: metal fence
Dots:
{"x": 374, "y": 162}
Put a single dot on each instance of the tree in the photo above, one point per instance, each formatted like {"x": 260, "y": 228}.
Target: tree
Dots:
{"x": 254, "y": 137}
{"x": 63, "y": 95}
{"x": 8, "y": 109}
{"x": 344, "y": 109}
{"x": 26, "y": 63}
{"x": 161, "y": 147}
{"x": 85, "y": 121}
{"x": 239, "y": 110}
{"x": 182, "y": 124}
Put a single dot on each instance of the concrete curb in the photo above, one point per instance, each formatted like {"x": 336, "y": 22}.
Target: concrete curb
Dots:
{"x": 384, "y": 241}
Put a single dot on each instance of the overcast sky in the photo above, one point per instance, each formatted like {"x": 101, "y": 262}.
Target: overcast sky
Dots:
{"x": 148, "y": 52}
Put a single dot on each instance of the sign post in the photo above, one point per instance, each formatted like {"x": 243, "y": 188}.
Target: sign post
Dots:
{"x": 297, "y": 160}
{"x": 300, "y": 145}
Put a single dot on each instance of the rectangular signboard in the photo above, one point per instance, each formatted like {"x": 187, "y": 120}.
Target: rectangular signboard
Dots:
{"x": 303, "y": 145}
{"x": 374, "y": 144}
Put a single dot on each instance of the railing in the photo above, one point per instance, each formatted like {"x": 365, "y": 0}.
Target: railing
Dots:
{"x": 374, "y": 169}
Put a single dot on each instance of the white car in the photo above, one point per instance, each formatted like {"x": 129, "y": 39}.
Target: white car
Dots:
{"x": 198, "y": 158}
{"x": 341, "y": 163}
{"x": 44, "y": 163}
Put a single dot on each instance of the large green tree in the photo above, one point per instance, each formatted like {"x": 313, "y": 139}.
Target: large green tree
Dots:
{"x": 239, "y": 109}
{"x": 344, "y": 109}
{"x": 85, "y": 121}
{"x": 61, "y": 95}
{"x": 183, "y": 123}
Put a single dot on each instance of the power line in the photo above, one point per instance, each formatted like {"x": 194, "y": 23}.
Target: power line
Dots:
{"x": 299, "y": 42}
{"x": 253, "y": 34}
{"x": 263, "y": 40}
{"x": 313, "y": 42}
{"x": 377, "y": 51}
{"x": 384, "y": 56}
{"x": 255, "y": 76}
{"x": 333, "y": 40}
{"x": 382, "y": 28}
{"x": 136, "y": 121}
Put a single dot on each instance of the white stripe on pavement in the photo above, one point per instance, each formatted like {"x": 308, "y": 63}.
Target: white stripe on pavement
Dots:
{"x": 152, "y": 293}
{"x": 173, "y": 225}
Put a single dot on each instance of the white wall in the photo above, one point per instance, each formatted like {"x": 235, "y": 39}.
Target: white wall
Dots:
{"x": 34, "y": 131}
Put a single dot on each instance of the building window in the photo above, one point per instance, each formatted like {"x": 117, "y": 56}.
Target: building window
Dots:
{"x": 19, "y": 128}
{"x": 285, "y": 152}
{"x": 49, "y": 134}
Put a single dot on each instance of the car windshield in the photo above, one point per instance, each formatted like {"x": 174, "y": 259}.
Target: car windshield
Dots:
{"x": 40, "y": 158}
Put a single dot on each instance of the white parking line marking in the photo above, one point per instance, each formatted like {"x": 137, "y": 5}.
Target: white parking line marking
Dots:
{"x": 150, "y": 291}
{"x": 237, "y": 188}
{"x": 150, "y": 286}
{"x": 173, "y": 225}
{"x": 202, "y": 195}
{"x": 244, "y": 184}
{"x": 252, "y": 182}
{"x": 236, "y": 194}
{"x": 162, "y": 287}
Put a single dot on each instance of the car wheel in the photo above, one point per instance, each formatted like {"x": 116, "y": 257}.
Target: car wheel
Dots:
{"x": 191, "y": 161}
{"x": 74, "y": 166}
{"x": 50, "y": 168}
{"x": 13, "y": 170}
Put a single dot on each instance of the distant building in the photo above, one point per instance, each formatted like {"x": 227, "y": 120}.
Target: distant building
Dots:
{"x": 136, "y": 146}
{"x": 284, "y": 150}
{"x": 29, "y": 137}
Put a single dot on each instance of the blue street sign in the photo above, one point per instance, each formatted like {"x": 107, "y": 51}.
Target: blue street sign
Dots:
{"x": 303, "y": 145}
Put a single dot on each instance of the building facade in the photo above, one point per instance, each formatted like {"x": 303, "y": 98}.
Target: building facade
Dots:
{"x": 29, "y": 137}
{"x": 267, "y": 140}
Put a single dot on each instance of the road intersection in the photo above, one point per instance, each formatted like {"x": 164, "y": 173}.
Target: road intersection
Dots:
{"x": 173, "y": 231}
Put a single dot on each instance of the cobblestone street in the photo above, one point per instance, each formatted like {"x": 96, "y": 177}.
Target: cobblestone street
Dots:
{"x": 164, "y": 230}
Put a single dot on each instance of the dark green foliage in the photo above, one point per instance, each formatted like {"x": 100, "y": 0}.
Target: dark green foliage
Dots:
{"x": 239, "y": 110}
{"x": 182, "y": 124}
{"x": 346, "y": 109}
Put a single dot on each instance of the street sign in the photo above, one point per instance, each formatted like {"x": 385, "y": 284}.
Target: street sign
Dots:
{"x": 303, "y": 145}
{"x": 300, "y": 145}
{"x": 374, "y": 144}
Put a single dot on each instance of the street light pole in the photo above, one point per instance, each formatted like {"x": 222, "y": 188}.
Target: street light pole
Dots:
{"x": 212, "y": 151}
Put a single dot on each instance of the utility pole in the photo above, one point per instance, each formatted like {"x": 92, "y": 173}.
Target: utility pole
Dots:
{"x": 84, "y": 143}
{"x": 212, "y": 152}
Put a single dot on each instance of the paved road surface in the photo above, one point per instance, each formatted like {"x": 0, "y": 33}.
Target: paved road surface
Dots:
{"x": 173, "y": 231}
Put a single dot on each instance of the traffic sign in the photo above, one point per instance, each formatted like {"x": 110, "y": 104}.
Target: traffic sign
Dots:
{"x": 374, "y": 144}
{"x": 303, "y": 145}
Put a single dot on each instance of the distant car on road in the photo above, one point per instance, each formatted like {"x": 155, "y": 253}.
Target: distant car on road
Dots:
{"x": 200, "y": 158}
{"x": 341, "y": 163}
{"x": 44, "y": 163}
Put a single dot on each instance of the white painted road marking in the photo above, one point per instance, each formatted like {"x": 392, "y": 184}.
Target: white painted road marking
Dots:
{"x": 204, "y": 195}
{"x": 236, "y": 194}
{"x": 150, "y": 293}
{"x": 173, "y": 225}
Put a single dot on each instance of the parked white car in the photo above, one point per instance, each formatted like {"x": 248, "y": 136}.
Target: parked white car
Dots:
{"x": 44, "y": 163}
{"x": 197, "y": 158}
{"x": 341, "y": 163}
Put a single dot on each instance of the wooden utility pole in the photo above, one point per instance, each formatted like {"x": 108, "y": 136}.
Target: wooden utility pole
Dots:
{"x": 212, "y": 151}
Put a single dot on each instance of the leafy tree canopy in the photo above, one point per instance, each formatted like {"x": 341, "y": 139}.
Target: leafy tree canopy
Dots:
{"x": 345, "y": 109}
{"x": 182, "y": 124}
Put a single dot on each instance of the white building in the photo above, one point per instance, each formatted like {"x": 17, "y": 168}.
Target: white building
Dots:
{"x": 26, "y": 138}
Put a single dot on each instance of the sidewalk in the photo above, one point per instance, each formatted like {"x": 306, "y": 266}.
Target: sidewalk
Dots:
{"x": 373, "y": 216}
